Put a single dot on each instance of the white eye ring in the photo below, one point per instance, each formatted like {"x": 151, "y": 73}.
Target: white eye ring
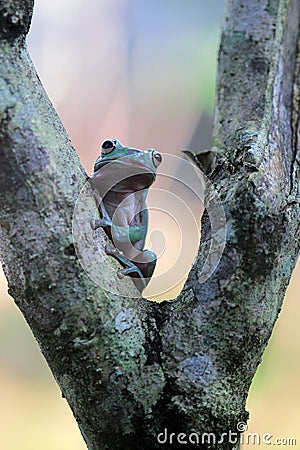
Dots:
{"x": 156, "y": 158}
{"x": 108, "y": 146}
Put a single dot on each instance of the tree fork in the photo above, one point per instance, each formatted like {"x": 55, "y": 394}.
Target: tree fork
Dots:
{"x": 184, "y": 365}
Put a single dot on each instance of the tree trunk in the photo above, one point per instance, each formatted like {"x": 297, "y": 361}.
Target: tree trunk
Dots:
{"x": 131, "y": 369}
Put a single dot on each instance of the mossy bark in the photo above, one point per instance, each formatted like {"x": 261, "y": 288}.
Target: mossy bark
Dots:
{"x": 130, "y": 368}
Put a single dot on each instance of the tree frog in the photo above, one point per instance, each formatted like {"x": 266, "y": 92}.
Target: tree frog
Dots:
{"x": 121, "y": 179}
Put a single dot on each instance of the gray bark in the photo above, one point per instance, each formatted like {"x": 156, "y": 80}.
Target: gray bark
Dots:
{"x": 184, "y": 365}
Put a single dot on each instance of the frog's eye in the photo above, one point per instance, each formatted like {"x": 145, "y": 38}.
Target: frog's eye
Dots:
{"x": 108, "y": 146}
{"x": 156, "y": 158}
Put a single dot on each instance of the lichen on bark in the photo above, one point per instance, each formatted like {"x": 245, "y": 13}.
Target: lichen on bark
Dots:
{"x": 130, "y": 368}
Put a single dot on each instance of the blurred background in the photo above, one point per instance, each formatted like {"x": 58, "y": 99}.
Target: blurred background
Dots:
{"x": 143, "y": 72}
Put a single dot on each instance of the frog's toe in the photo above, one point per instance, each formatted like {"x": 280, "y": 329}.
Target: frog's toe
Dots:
{"x": 99, "y": 223}
{"x": 93, "y": 224}
{"x": 123, "y": 272}
{"x": 109, "y": 250}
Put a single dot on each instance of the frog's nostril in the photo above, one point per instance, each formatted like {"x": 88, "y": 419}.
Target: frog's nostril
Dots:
{"x": 157, "y": 158}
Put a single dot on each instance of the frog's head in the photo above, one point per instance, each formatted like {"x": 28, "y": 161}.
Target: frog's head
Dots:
{"x": 113, "y": 150}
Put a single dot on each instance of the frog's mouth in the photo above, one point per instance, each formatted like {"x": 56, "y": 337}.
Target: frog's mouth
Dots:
{"x": 135, "y": 183}
{"x": 122, "y": 175}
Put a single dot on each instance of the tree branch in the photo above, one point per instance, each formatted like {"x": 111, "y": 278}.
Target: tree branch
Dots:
{"x": 130, "y": 368}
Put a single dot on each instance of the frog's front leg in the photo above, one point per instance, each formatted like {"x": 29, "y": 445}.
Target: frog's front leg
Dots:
{"x": 105, "y": 220}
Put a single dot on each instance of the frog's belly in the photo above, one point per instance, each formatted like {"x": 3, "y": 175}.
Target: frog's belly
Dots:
{"x": 121, "y": 208}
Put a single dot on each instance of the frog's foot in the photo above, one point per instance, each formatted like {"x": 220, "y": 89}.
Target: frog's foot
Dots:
{"x": 129, "y": 270}
{"x": 112, "y": 251}
{"x": 129, "y": 266}
{"x": 100, "y": 223}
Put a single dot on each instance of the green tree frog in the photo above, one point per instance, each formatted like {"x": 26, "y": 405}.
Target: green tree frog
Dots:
{"x": 120, "y": 182}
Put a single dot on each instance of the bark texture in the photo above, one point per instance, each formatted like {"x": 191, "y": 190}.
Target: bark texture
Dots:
{"x": 129, "y": 368}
